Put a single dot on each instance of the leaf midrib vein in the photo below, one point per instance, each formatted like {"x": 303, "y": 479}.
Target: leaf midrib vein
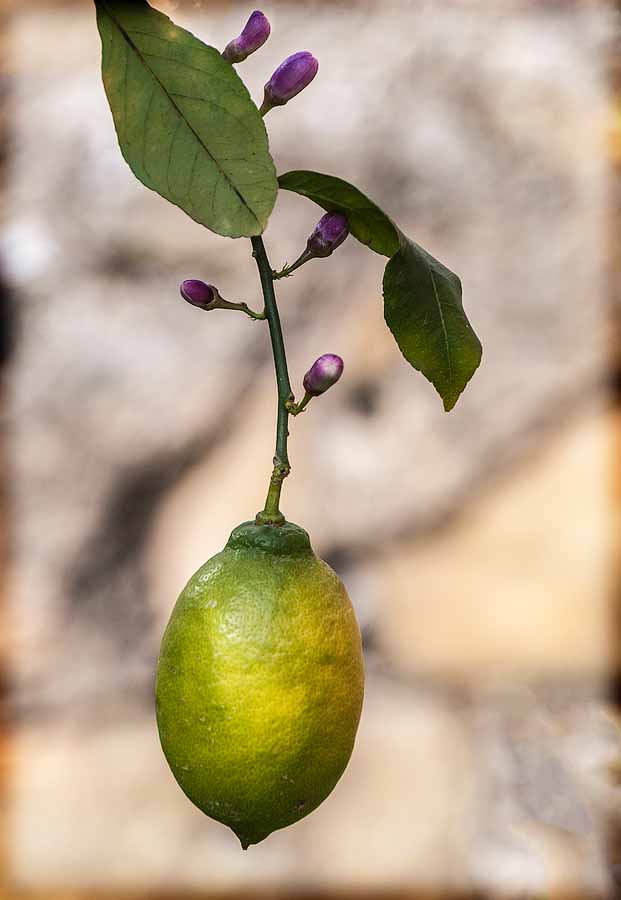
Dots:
{"x": 446, "y": 340}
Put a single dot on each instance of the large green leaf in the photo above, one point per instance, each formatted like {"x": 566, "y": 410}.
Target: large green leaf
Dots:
{"x": 422, "y": 298}
{"x": 184, "y": 119}
{"x": 367, "y": 222}
{"x": 423, "y": 309}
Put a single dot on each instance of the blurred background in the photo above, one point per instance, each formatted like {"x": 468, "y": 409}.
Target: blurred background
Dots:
{"x": 480, "y": 548}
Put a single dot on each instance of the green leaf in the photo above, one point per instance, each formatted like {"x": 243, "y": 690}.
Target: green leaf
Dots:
{"x": 185, "y": 121}
{"x": 367, "y": 222}
{"x": 423, "y": 309}
{"x": 422, "y": 298}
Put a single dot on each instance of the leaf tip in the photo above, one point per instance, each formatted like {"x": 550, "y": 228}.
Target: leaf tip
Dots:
{"x": 450, "y": 400}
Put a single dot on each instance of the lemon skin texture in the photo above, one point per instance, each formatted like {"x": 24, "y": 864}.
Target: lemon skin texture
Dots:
{"x": 260, "y": 682}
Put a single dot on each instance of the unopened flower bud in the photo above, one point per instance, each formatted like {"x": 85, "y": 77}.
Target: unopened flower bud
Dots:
{"x": 323, "y": 373}
{"x": 329, "y": 233}
{"x": 256, "y": 32}
{"x": 198, "y": 293}
{"x": 291, "y": 77}
{"x": 206, "y": 296}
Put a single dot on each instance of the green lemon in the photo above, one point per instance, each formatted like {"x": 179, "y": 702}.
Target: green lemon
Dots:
{"x": 260, "y": 682}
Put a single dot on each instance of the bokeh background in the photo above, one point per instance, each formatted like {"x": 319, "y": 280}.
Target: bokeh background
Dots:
{"x": 479, "y": 548}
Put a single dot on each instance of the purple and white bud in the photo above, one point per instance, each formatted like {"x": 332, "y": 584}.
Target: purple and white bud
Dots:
{"x": 256, "y": 32}
{"x": 329, "y": 233}
{"x": 323, "y": 373}
{"x": 198, "y": 293}
{"x": 291, "y": 77}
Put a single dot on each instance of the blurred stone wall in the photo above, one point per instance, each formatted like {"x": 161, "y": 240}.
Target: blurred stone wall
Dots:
{"x": 478, "y": 547}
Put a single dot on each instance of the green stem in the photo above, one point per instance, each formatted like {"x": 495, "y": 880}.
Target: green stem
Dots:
{"x": 271, "y": 514}
{"x": 289, "y": 270}
{"x": 242, "y": 307}
{"x": 296, "y": 408}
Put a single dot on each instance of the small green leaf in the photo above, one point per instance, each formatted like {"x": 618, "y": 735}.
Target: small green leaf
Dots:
{"x": 423, "y": 309}
{"x": 367, "y": 222}
{"x": 185, "y": 121}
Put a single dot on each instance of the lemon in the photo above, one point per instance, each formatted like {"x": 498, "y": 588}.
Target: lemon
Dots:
{"x": 260, "y": 682}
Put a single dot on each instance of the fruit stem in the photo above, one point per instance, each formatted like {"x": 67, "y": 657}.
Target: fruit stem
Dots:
{"x": 271, "y": 514}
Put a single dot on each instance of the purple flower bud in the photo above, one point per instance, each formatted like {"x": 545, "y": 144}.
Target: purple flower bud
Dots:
{"x": 198, "y": 293}
{"x": 256, "y": 32}
{"x": 323, "y": 373}
{"x": 291, "y": 77}
{"x": 329, "y": 233}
